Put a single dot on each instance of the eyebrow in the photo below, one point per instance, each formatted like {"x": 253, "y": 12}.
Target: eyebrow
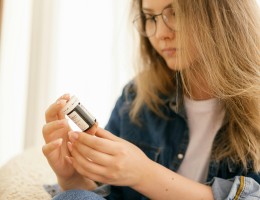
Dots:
{"x": 151, "y": 10}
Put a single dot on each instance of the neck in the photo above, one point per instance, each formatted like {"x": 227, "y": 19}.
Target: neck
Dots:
{"x": 199, "y": 94}
{"x": 199, "y": 89}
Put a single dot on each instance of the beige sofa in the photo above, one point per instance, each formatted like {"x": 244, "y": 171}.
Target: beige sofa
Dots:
{"x": 24, "y": 175}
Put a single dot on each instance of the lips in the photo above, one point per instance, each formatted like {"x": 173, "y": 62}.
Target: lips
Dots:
{"x": 169, "y": 51}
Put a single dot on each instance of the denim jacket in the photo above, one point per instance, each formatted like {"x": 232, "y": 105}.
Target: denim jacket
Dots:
{"x": 165, "y": 141}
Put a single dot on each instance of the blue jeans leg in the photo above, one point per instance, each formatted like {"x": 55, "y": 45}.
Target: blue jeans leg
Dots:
{"x": 78, "y": 195}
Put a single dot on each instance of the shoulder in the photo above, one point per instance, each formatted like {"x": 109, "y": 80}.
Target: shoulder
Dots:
{"x": 126, "y": 97}
{"x": 129, "y": 91}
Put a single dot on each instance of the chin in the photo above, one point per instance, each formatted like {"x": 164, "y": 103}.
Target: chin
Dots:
{"x": 175, "y": 66}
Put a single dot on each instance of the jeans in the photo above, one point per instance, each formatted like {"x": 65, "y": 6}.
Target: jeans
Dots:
{"x": 78, "y": 195}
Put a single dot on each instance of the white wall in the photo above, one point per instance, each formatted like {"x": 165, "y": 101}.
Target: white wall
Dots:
{"x": 54, "y": 46}
{"x": 87, "y": 53}
{"x": 15, "y": 45}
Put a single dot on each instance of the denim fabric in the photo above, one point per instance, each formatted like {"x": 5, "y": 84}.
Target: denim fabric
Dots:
{"x": 221, "y": 188}
{"x": 53, "y": 189}
{"x": 237, "y": 188}
{"x": 78, "y": 195}
{"x": 165, "y": 141}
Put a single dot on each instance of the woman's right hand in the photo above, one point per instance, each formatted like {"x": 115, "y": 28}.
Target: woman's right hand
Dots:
{"x": 55, "y": 133}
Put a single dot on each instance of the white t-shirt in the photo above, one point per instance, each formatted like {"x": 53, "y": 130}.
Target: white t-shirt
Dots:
{"x": 204, "y": 120}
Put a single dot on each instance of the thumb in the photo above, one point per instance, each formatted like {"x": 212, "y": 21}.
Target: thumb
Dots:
{"x": 93, "y": 129}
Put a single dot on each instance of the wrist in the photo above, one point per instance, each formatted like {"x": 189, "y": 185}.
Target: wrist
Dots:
{"x": 146, "y": 176}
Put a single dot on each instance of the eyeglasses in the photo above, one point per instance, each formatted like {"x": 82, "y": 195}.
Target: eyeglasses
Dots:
{"x": 146, "y": 23}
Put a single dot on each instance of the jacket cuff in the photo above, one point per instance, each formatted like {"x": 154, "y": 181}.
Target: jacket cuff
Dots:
{"x": 237, "y": 188}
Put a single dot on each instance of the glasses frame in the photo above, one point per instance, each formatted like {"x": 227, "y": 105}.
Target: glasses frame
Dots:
{"x": 141, "y": 18}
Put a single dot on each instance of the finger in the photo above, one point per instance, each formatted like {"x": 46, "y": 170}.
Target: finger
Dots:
{"x": 106, "y": 134}
{"x": 53, "y": 112}
{"x": 82, "y": 171}
{"x": 93, "y": 129}
{"x": 85, "y": 166}
{"x": 49, "y": 148}
{"x": 51, "y": 127}
{"x": 55, "y": 125}
{"x": 65, "y": 96}
{"x": 97, "y": 143}
{"x": 95, "y": 156}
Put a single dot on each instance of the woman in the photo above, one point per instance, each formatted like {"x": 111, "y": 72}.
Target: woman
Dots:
{"x": 187, "y": 126}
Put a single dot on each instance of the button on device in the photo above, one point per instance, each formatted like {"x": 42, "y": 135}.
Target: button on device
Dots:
{"x": 180, "y": 156}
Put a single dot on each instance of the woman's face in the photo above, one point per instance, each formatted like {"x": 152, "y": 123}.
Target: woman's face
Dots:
{"x": 164, "y": 39}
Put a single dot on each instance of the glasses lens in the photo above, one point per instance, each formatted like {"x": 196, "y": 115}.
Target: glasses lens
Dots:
{"x": 145, "y": 25}
{"x": 168, "y": 16}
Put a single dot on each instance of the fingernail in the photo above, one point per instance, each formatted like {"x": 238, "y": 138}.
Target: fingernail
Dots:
{"x": 60, "y": 102}
{"x": 73, "y": 136}
{"x": 65, "y": 96}
{"x": 58, "y": 142}
{"x": 62, "y": 122}
{"x": 69, "y": 146}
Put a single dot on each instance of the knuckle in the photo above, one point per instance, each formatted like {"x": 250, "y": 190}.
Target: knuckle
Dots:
{"x": 119, "y": 165}
{"x": 112, "y": 177}
{"x": 44, "y": 150}
{"x": 97, "y": 142}
{"x": 122, "y": 151}
{"x": 47, "y": 111}
{"x": 44, "y": 131}
{"x": 91, "y": 154}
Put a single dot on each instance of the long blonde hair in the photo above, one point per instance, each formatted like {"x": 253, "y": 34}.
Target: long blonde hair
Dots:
{"x": 226, "y": 36}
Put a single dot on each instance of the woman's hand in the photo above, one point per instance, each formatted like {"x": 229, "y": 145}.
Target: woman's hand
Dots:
{"x": 55, "y": 133}
{"x": 106, "y": 158}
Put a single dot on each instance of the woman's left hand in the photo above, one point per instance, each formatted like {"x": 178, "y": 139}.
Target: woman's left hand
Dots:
{"x": 107, "y": 158}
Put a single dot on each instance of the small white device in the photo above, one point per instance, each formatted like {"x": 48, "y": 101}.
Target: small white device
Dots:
{"x": 79, "y": 114}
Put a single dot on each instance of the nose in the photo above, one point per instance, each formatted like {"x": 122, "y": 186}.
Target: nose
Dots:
{"x": 163, "y": 31}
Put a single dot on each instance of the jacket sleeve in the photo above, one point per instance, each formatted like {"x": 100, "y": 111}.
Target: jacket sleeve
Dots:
{"x": 113, "y": 125}
{"x": 122, "y": 103}
{"x": 237, "y": 188}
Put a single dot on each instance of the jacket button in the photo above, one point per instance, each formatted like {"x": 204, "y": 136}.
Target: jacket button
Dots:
{"x": 180, "y": 156}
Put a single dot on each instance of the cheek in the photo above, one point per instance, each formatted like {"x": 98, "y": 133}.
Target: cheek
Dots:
{"x": 180, "y": 60}
{"x": 154, "y": 44}
{"x": 186, "y": 57}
